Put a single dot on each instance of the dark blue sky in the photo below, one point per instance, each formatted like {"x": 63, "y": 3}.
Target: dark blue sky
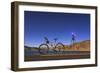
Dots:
{"x": 55, "y": 25}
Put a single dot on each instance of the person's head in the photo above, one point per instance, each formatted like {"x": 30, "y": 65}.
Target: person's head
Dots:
{"x": 72, "y": 33}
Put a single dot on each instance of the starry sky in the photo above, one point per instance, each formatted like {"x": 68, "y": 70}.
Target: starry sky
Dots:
{"x": 38, "y": 25}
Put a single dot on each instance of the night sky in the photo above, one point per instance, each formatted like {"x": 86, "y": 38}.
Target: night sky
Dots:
{"x": 38, "y": 25}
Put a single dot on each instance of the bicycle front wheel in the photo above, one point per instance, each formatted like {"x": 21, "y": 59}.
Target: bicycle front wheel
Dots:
{"x": 59, "y": 47}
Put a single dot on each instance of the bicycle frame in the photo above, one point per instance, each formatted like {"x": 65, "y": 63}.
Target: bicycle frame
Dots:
{"x": 51, "y": 45}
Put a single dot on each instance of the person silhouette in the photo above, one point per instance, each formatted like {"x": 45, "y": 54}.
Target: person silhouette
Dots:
{"x": 73, "y": 38}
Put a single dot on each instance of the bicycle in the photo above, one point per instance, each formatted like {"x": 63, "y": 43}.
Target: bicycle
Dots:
{"x": 48, "y": 46}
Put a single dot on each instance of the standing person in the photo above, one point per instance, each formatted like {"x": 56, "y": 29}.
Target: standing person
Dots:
{"x": 73, "y": 38}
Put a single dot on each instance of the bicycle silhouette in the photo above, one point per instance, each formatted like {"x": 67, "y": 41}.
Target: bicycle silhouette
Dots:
{"x": 48, "y": 46}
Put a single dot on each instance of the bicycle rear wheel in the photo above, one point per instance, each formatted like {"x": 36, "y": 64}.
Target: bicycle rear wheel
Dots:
{"x": 43, "y": 49}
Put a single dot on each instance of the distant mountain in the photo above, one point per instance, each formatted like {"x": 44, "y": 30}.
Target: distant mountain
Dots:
{"x": 79, "y": 46}
{"x": 31, "y": 48}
